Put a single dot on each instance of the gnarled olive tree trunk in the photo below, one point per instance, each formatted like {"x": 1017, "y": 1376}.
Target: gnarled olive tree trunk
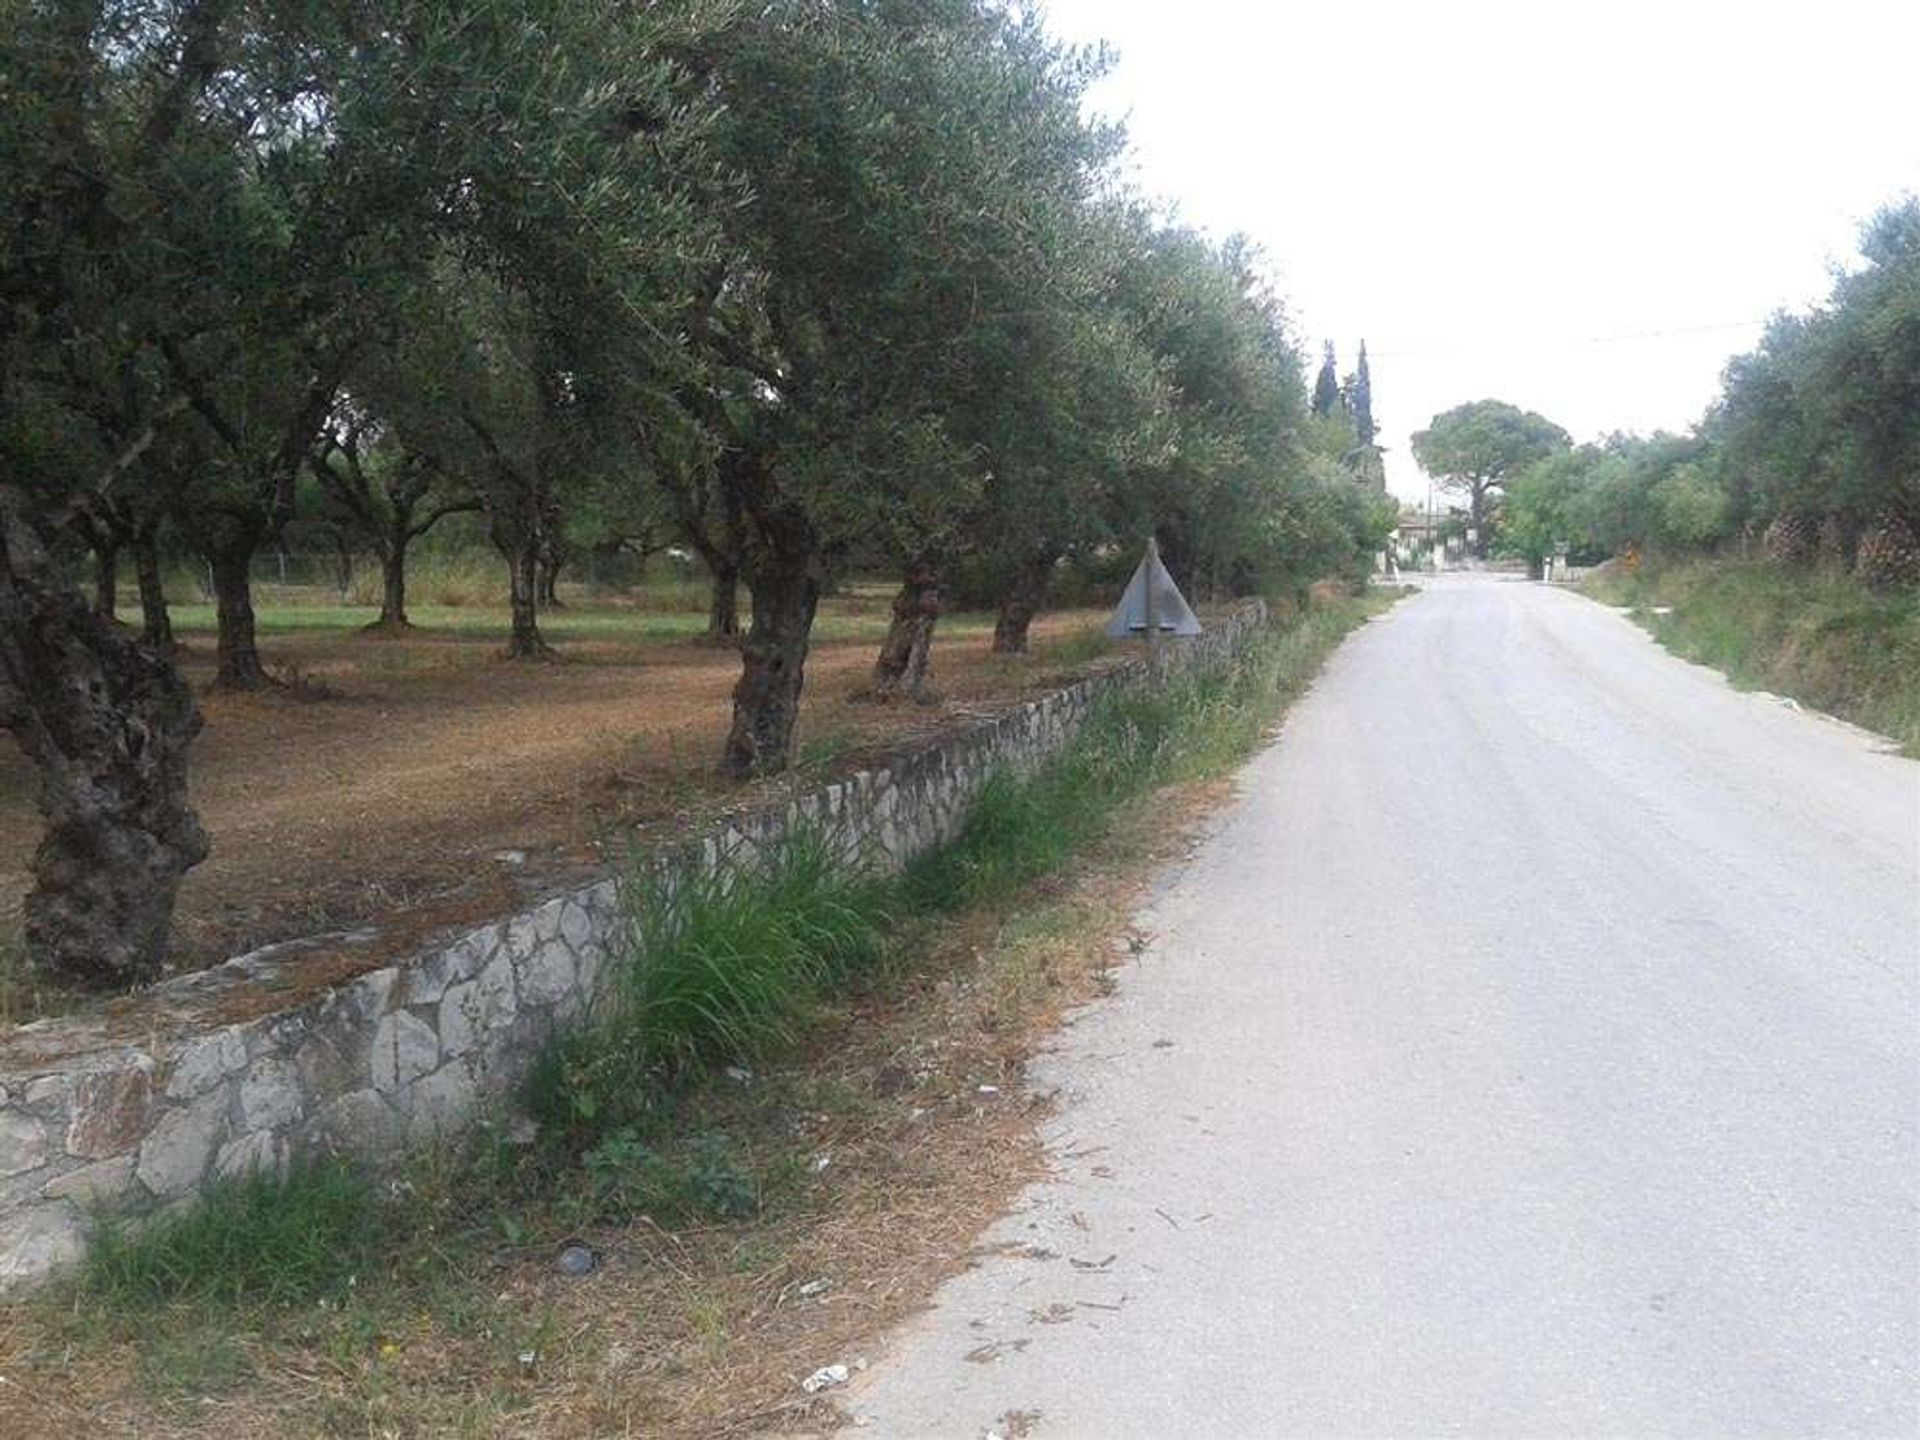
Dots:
{"x": 156, "y": 625}
{"x": 553, "y": 557}
{"x": 1026, "y": 594}
{"x": 525, "y": 642}
{"x": 516, "y": 534}
{"x": 723, "y": 605}
{"x": 393, "y": 572}
{"x": 229, "y": 549}
{"x": 905, "y": 655}
{"x": 783, "y": 573}
{"x": 106, "y": 722}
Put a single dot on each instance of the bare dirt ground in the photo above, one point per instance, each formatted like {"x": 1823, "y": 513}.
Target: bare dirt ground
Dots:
{"x": 396, "y": 774}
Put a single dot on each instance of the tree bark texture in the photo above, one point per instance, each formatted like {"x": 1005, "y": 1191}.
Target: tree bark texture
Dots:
{"x": 398, "y": 536}
{"x": 905, "y": 655}
{"x": 523, "y": 570}
{"x": 1176, "y": 553}
{"x": 393, "y": 582}
{"x": 230, "y": 558}
{"x": 155, "y": 623}
{"x": 723, "y": 608}
{"x": 553, "y": 559}
{"x": 1478, "y": 508}
{"x": 106, "y": 722}
{"x": 1026, "y": 594}
{"x": 106, "y": 578}
{"x": 785, "y": 593}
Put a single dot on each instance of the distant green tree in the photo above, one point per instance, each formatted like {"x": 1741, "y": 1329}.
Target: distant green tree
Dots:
{"x": 1360, "y": 400}
{"x": 1539, "y": 510}
{"x": 1326, "y": 389}
{"x": 1475, "y": 449}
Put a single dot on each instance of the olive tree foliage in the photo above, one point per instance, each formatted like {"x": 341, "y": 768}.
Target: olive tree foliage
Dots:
{"x": 1045, "y": 391}
{"x": 214, "y": 207}
{"x": 809, "y": 281}
{"x": 1653, "y": 493}
{"x": 558, "y": 292}
{"x": 1823, "y": 416}
{"x": 1475, "y": 450}
{"x": 1817, "y": 427}
{"x": 887, "y": 199}
{"x": 1233, "y": 494}
{"x": 1091, "y": 418}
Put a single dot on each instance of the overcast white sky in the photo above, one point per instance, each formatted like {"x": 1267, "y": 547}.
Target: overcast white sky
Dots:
{"x": 1509, "y": 200}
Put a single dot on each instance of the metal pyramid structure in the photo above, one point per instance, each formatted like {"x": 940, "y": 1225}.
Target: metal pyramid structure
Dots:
{"x": 1171, "y": 613}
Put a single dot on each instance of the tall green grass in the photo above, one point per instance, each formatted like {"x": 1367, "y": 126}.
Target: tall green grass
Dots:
{"x": 257, "y": 1238}
{"x": 1820, "y": 636}
{"x": 716, "y": 967}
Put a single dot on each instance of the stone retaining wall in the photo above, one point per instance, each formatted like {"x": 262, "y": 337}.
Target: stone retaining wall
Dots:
{"x": 210, "y": 1075}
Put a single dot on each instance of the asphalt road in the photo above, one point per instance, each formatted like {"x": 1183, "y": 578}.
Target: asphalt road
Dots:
{"x": 1532, "y": 1049}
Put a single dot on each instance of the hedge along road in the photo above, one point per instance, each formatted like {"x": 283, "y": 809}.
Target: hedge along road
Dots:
{"x": 1529, "y": 1050}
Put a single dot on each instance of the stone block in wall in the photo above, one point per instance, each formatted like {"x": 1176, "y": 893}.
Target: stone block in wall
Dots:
{"x": 23, "y": 1143}
{"x": 482, "y": 1007}
{"x": 360, "y": 1123}
{"x": 205, "y": 1063}
{"x": 577, "y": 928}
{"x": 548, "y": 974}
{"x": 404, "y": 1048}
{"x": 271, "y": 1095}
{"x": 109, "y": 1109}
{"x": 528, "y": 935}
{"x": 439, "y": 1102}
{"x": 94, "y": 1184}
{"x": 38, "y": 1240}
{"x": 48, "y": 1097}
{"x": 260, "y": 1151}
{"x": 175, "y": 1155}
{"x": 427, "y": 979}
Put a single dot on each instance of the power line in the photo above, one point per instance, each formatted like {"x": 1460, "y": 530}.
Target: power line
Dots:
{"x": 1451, "y": 348}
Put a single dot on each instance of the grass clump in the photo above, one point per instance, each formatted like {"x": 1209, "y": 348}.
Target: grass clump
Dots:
{"x": 258, "y": 1238}
{"x": 1820, "y": 636}
{"x": 718, "y": 967}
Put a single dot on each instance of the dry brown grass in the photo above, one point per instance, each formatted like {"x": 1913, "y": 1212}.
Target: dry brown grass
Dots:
{"x": 702, "y": 1332}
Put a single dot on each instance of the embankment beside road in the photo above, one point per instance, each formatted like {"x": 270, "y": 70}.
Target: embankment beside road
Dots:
{"x": 1821, "y": 637}
{"x": 334, "y": 1047}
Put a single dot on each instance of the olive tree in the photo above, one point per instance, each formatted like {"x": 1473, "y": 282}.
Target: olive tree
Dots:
{"x": 841, "y": 324}
{"x": 213, "y": 208}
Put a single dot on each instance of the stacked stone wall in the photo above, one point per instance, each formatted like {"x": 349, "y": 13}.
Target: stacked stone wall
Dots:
{"x": 148, "y": 1100}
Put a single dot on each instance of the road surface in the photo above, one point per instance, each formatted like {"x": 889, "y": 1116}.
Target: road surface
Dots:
{"x": 1530, "y": 1050}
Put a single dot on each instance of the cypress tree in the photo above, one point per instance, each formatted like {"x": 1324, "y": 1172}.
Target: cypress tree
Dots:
{"x": 1360, "y": 401}
{"x": 1326, "y": 389}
